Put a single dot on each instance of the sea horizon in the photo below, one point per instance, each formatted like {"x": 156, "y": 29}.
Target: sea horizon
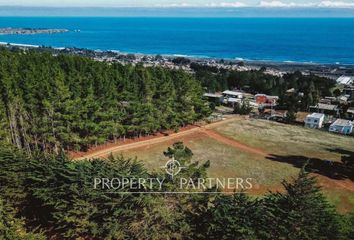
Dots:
{"x": 269, "y": 39}
{"x": 182, "y": 12}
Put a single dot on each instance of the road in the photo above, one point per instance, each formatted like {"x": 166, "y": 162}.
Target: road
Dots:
{"x": 206, "y": 129}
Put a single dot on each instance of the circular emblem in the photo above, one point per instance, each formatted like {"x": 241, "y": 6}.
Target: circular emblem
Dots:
{"x": 172, "y": 167}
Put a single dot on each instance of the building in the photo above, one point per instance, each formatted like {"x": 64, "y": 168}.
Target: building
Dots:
{"x": 314, "y": 120}
{"x": 233, "y": 101}
{"x": 266, "y": 100}
{"x": 350, "y": 113}
{"x": 214, "y": 97}
{"x": 342, "y": 126}
{"x": 349, "y": 91}
{"x": 232, "y": 97}
{"x": 345, "y": 80}
{"x": 232, "y": 94}
{"x": 279, "y": 116}
{"x": 343, "y": 99}
{"x": 328, "y": 100}
{"x": 327, "y": 109}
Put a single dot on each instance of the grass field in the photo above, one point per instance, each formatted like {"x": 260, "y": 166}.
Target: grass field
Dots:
{"x": 274, "y": 138}
{"x": 288, "y": 140}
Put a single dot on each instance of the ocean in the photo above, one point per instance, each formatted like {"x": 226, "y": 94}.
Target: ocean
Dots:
{"x": 312, "y": 40}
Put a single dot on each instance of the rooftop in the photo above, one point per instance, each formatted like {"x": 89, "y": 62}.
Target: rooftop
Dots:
{"x": 350, "y": 110}
{"x": 267, "y": 96}
{"x": 215, "y": 95}
{"x": 228, "y": 92}
{"x": 235, "y": 100}
{"x": 342, "y": 123}
{"x": 346, "y": 80}
{"x": 326, "y": 106}
{"x": 316, "y": 115}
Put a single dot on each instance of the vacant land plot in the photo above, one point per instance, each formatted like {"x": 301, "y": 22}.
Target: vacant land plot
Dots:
{"x": 283, "y": 142}
{"x": 288, "y": 140}
{"x": 226, "y": 161}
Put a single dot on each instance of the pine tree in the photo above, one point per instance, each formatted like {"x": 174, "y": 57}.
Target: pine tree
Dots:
{"x": 303, "y": 212}
{"x": 12, "y": 228}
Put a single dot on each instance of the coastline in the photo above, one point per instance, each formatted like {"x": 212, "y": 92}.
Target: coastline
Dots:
{"x": 31, "y": 31}
{"x": 331, "y": 70}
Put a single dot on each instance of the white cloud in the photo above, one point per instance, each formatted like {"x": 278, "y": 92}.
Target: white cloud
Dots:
{"x": 323, "y": 4}
{"x": 227, "y": 4}
{"x": 336, "y": 4}
{"x": 279, "y": 4}
{"x": 176, "y": 5}
{"x": 211, "y": 5}
{"x": 263, "y": 4}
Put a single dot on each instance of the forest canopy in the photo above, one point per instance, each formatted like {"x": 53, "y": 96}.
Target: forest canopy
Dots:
{"x": 55, "y": 196}
{"x": 50, "y": 103}
{"x": 53, "y": 103}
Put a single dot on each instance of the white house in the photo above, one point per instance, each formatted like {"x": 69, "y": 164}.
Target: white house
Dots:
{"x": 232, "y": 97}
{"x": 342, "y": 126}
{"x": 232, "y": 94}
{"x": 314, "y": 120}
{"x": 234, "y": 100}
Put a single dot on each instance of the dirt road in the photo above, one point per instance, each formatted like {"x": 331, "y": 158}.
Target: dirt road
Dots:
{"x": 207, "y": 129}
{"x": 229, "y": 141}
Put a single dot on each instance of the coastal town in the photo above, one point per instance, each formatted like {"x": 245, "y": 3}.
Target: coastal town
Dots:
{"x": 332, "y": 71}
{"x": 30, "y": 31}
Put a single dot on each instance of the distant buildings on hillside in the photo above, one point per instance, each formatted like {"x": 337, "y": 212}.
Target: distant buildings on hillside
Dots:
{"x": 232, "y": 97}
{"x": 327, "y": 113}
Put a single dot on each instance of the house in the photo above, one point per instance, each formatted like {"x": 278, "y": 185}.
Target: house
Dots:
{"x": 345, "y": 80}
{"x": 342, "y": 126}
{"x": 326, "y": 100}
{"x": 327, "y": 109}
{"x": 349, "y": 91}
{"x": 314, "y": 120}
{"x": 274, "y": 115}
{"x": 350, "y": 113}
{"x": 266, "y": 100}
{"x": 214, "y": 97}
{"x": 343, "y": 99}
{"x": 232, "y": 97}
{"x": 232, "y": 94}
{"x": 233, "y": 101}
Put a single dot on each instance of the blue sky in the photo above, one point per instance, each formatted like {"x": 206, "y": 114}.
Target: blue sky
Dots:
{"x": 185, "y": 3}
